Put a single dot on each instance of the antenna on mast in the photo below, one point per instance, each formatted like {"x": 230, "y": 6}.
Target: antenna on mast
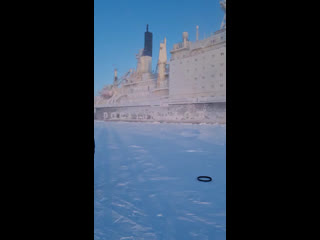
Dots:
{"x": 223, "y": 4}
{"x": 197, "y": 33}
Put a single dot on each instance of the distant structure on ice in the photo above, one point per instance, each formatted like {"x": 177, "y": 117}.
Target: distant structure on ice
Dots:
{"x": 190, "y": 88}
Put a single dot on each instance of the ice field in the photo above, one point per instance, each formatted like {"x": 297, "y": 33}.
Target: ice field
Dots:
{"x": 145, "y": 181}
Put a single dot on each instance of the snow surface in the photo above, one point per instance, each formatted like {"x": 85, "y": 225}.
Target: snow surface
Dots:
{"x": 145, "y": 181}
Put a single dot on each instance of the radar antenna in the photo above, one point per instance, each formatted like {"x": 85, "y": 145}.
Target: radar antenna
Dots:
{"x": 223, "y": 5}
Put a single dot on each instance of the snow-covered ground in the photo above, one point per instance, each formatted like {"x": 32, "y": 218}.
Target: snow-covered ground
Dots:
{"x": 145, "y": 181}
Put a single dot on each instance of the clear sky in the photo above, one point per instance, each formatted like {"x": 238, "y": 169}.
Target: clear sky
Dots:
{"x": 119, "y": 27}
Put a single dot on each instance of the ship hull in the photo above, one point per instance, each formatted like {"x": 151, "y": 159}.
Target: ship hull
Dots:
{"x": 183, "y": 113}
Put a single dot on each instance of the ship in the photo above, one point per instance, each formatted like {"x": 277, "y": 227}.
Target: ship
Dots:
{"x": 188, "y": 88}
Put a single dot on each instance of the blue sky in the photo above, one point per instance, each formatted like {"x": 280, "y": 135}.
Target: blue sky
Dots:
{"x": 119, "y": 27}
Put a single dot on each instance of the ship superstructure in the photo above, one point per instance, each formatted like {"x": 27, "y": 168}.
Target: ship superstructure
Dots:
{"x": 198, "y": 69}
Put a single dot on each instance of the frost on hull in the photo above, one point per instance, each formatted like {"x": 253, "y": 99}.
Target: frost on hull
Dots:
{"x": 190, "y": 88}
{"x": 189, "y": 113}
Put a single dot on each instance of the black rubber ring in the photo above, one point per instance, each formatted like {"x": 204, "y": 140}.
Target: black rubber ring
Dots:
{"x": 204, "y": 179}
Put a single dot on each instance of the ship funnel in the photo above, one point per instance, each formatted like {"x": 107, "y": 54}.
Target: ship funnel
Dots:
{"x": 147, "y": 43}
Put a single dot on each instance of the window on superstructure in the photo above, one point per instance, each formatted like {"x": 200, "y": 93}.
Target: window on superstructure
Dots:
{"x": 222, "y": 54}
{"x": 195, "y": 59}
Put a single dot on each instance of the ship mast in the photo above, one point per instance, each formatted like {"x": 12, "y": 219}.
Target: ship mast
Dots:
{"x": 223, "y": 4}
